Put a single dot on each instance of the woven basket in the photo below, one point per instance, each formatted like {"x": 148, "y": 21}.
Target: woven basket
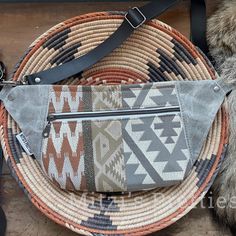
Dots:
{"x": 155, "y": 52}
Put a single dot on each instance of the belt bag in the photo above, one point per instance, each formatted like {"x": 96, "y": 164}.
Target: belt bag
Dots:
{"x": 149, "y": 134}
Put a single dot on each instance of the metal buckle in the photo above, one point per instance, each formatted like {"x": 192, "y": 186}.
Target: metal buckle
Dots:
{"x": 141, "y": 23}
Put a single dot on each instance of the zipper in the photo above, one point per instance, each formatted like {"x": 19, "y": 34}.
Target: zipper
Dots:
{"x": 105, "y": 114}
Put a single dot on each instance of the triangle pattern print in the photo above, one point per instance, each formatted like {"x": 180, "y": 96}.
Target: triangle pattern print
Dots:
{"x": 109, "y": 165}
{"x": 155, "y": 151}
{"x": 136, "y": 172}
{"x": 149, "y": 95}
{"x": 105, "y": 99}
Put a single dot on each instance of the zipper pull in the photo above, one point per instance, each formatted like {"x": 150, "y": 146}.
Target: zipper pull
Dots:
{"x": 47, "y": 129}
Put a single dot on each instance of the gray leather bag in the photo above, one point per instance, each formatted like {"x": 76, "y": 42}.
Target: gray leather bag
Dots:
{"x": 161, "y": 126}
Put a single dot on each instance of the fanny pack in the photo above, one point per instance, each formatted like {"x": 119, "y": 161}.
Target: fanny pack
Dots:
{"x": 113, "y": 138}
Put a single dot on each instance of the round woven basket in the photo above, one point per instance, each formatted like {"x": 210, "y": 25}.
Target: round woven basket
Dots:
{"x": 155, "y": 52}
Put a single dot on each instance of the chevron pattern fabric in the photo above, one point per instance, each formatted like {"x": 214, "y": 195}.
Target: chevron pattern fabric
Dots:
{"x": 115, "y": 154}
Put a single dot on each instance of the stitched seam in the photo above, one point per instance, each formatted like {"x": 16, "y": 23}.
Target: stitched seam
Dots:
{"x": 44, "y": 122}
{"x": 184, "y": 123}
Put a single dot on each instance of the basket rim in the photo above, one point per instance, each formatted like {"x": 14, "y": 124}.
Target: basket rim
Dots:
{"x": 54, "y": 215}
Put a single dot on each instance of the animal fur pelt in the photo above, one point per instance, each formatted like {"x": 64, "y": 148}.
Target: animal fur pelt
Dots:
{"x": 222, "y": 32}
{"x": 222, "y": 41}
{"x": 224, "y": 188}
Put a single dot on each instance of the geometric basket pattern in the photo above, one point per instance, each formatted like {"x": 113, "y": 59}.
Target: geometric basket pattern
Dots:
{"x": 155, "y": 52}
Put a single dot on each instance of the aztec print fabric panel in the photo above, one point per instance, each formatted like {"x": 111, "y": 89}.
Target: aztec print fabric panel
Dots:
{"x": 119, "y": 138}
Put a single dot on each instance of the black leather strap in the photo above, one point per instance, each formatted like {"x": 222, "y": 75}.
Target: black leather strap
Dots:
{"x": 133, "y": 19}
{"x": 76, "y": 66}
{"x": 198, "y": 24}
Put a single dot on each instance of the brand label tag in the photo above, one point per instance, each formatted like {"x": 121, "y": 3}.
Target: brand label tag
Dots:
{"x": 24, "y": 143}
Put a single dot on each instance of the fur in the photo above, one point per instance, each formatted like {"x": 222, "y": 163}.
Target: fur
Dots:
{"x": 224, "y": 188}
{"x": 221, "y": 32}
{"x": 222, "y": 40}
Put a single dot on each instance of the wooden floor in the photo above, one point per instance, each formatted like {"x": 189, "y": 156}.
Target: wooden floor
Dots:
{"x": 20, "y": 24}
